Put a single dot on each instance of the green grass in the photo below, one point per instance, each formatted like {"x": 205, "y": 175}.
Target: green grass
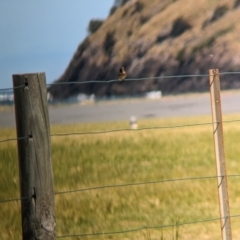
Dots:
{"x": 128, "y": 157}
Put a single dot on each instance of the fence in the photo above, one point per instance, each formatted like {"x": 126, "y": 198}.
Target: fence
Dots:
{"x": 34, "y": 151}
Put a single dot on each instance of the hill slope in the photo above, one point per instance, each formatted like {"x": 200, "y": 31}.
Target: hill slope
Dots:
{"x": 155, "y": 38}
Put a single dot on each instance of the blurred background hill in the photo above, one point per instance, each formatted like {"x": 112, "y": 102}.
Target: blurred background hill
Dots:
{"x": 156, "y": 38}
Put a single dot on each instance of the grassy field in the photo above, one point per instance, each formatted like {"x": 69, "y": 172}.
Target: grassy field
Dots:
{"x": 86, "y": 161}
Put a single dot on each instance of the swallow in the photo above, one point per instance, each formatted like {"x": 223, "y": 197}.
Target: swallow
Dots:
{"x": 122, "y": 74}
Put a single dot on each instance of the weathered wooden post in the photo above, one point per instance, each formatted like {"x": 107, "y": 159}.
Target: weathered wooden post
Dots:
{"x": 219, "y": 154}
{"x": 34, "y": 153}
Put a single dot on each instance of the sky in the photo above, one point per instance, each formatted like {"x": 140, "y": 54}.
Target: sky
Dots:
{"x": 42, "y": 36}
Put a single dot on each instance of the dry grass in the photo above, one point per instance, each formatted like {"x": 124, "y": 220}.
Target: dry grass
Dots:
{"x": 128, "y": 157}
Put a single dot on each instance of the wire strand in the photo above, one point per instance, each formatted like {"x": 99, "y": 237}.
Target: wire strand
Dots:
{"x": 231, "y": 121}
{"x": 12, "y": 139}
{"x": 140, "y": 79}
{"x": 124, "y": 129}
{"x": 128, "y": 129}
{"x": 128, "y": 79}
{"x": 125, "y": 185}
{"x": 146, "y": 227}
{"x": 141, "y": 183}
{"x": 12, "y": 88}
{"x": 13, "y": 199}
{"x": 139, "y": 129}
{"x": 228, "y": 73}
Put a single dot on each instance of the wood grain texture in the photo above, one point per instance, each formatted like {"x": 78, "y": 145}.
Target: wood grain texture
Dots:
{"x": 34, "y": 152}
{"x": 214, "y": 80}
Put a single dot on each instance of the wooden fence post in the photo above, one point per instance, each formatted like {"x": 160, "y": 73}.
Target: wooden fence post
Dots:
{"x": 219, "y": 154}
{"x": 34, "y": 153}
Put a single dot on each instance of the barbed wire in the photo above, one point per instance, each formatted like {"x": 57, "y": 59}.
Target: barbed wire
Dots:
{"x": 143, "y": 183}
{"x": 147, "y": 227}
{"x": 128, "y": 79}
{"x": 127, "y": 185}
{"x": 125, "y": 129}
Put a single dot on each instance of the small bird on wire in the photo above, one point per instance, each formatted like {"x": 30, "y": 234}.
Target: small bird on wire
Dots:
{"x": 122, "y": 74}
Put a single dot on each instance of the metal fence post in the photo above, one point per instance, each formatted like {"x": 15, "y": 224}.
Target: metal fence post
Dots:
{"x": 219, "y": 154}
{"x": 34, "y": 153}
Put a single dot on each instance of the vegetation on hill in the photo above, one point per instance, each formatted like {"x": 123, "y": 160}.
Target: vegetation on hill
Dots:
{"x": 156, "y": 38}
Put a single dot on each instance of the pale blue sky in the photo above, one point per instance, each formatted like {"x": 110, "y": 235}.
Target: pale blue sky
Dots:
{"x": 42, "y": 36}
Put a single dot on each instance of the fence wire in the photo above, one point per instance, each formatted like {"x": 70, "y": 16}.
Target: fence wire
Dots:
{"x": 141, "y": 79}
{"x": 113, "y": 130}
{"x": 146, "y": 227}
{"x": 127, "y": 185}
{"x": 144, "y": 183}
{"x": 14, "y": 199}
{"x": 125, "y": 129}
{"x": 12, "y": 88}
{"x": 13, "y": 139}
{"x": 128, "y": 79}
{"x": 141, "y": 129}
{"x": 128, "y": 129}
